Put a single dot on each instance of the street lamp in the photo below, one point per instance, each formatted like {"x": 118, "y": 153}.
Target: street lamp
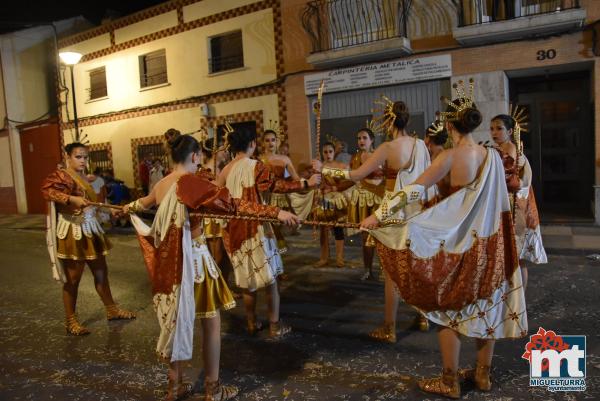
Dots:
{"x": 70, "y": 59}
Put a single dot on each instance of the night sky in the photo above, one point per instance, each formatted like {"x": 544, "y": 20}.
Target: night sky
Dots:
{"x": 22, "y": 14}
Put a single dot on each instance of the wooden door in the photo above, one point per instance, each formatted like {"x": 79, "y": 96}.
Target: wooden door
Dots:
{"x": 41, "y": 152}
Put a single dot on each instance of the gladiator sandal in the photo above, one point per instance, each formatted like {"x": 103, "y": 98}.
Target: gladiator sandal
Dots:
{"x": 480, "y": 376}
{"x": 215, "y": 391}
{"x": 74, "y": 328}
{"x": 113, "y": 312}
{"x": 421, "y": 323}
{"x": 385, "y": 333}
{"x": 278, "y": 329}
{"x": 253, "y": 326}
{"x": 321, "y": 263}
{"x": 446, "y": 385}
{"x": 178, "y": 391}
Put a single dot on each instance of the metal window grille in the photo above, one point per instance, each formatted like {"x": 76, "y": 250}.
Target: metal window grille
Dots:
{"x": 226, "y": 52}
{"x": 100, "y": 159}
{"x": 473, "y": 12}
{"x": 98, "y": 87}
{"x": 153, "y": 68}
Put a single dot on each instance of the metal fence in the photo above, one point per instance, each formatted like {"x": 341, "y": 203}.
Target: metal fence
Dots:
{"x": 473, "y": 12}
{"x": 335, "y": 24}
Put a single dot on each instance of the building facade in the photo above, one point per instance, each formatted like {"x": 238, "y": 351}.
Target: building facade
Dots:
{"x": 542, "y": 54}
{"x": 186, "y": 65}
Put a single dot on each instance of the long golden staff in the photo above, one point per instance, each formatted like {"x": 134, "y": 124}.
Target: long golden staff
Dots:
{"x": 520, "y": 117}
{"x": 317, "y": 110}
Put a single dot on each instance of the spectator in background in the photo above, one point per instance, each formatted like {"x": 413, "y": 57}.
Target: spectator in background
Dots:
{"x": 341, "y": 152}
{"x": 284, "y": 149}
{"x": 98, "y": 183}
{"x": 144, "y": 173}
{"x": 157, "y": 172}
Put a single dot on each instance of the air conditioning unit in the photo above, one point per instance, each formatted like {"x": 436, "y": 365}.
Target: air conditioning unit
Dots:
{"x": 204, "y": 110}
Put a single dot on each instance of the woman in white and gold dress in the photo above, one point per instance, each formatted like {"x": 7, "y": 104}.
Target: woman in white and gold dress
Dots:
{"x": 251, "y": 245}
{"x": 404, "y": 159}
{"x": 457, "y": 261}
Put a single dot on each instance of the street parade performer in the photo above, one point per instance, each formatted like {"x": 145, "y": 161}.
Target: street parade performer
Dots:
{"x": 185, "y": 279}
{"x": 333, "y": 207}
{"x": 505, "y": 131}
{"x": 366, "y": 195}
{"x": 251, "y": 245}
{"x": 404, "y": 159}
{"x": 457, "y": 261}
{"x": 299, "y": 201}
{"x": 75, "y": 236}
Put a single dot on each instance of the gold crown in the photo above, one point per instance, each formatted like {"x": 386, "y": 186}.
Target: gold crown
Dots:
{"x": 437, "y": 126}
{"x": 387, "y": 118}
{"x": 519, "y": 115}
{"x": 332, "y": 139}
{"x": 228, "y": 130}
{"x": 465, "y": 101}
{"x": 274, "y": 126}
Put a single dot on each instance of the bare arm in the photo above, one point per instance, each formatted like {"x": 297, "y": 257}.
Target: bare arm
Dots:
{"x": 149, "y": 200}
{"x": 221, "y": 178}
{"x": 438, "y": 170}
{"x": 292, "y": 170}
{"x": 373, "y": 163}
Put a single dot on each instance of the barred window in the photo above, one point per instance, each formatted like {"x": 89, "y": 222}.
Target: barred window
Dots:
{"x": 226, "y": 52}
{"x": 100, "y": 159}
{"x": 153, "y": 68}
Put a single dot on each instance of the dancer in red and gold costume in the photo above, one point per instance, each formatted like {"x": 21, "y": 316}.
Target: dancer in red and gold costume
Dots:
{"x": 457, "y": 260}
{"x": 251, "y": 245}
{"x": 334, "y": 207}
{"x": 75, "y": 236}
{"x": 505, "y": 130}
{"x": 300, "y": 201}
{"x": 186, "y": 281}
{"x": 366, "y": 195}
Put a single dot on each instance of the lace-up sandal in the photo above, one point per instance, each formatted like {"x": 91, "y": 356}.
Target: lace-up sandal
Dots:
{"x": 215, "y": 391}
{"x": 178, "y": 391}
{"x": 385, "y": 333}
{"x": 74, "y": 328}
{"x": 113, "y": 312}
{"x": 279, "y": 329}
{"x": 480, "y": 376}
{"x": 446, "y": 385}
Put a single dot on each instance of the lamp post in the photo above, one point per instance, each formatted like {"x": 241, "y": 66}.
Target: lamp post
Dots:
{"x": 70, "y": 59}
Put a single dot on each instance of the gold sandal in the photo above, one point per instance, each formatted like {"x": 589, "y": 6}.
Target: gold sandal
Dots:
{"x": 480, "y": 376}
{"x": 178, "y": 391}
{"x": 113, "y": 312}
{"x": 278, "y": 329}
{"x": 321, "y": 263}
{"x": 421, "y": 323}
{"x": 385, "y": 333}
{"x": 253, "y": 326}
{"x": 446, "y": 385}
{"x": 73, "y": 327}
{"x": 215, "y": 391}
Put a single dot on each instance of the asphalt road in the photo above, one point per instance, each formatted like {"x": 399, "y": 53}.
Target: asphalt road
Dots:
{"x": 328, "y": 357}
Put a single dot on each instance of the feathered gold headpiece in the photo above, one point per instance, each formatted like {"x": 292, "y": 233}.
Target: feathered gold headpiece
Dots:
{"x": 437, "y": 126}
{"x": 519, "y": 114}
{"x": 387, "y": 117}
{"x": 228, "y": 130}
{"x": 465, "y": 101}
{"x": 274, "y": 126}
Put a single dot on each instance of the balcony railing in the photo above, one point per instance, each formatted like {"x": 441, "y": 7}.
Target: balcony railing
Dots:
{"x": 337, "y": 24}
{"x": 473, "y": 12}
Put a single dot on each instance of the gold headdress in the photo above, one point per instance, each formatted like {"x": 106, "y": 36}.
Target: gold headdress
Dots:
{"x": 519, "y": 114}
{"x": 465, "y": 101}
{"x": 228, "y": 130}
{"x": 436, "y": 127}
{"x": 274, "y": 126}
{"x": 387, "y": 118}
